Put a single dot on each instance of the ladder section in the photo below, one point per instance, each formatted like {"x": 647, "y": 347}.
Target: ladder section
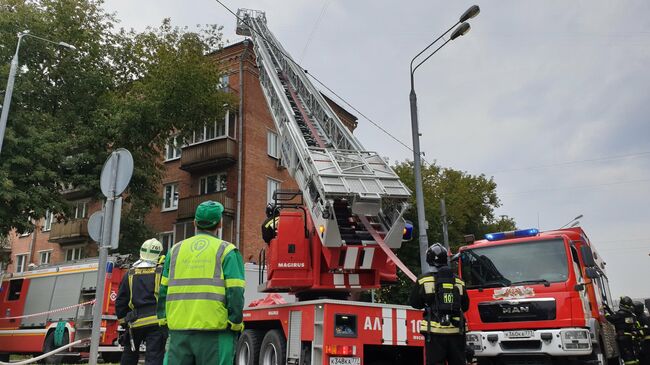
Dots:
{"x": 322, "y": 155}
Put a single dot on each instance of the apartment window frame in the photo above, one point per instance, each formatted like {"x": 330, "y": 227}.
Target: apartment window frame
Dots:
{"x": 224, "y": 82}
{"x": 83, "y": 204}
{"x": 21, "y": 262}
{"x": 174, "y": 195}
{"x": 47, "y": 221}
{"x": 222, "y": 183}
{"x": 270, "y": 183}
{"x": 167, "y": 239}
{"x": 77, "y": 253}
{"x": 219, "y": 129}
{"x": 173, "y": 149}
{"x": 273, "y": 144}
{"x": 48, "y": 255}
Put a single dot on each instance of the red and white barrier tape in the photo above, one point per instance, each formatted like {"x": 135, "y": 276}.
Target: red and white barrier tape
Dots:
{"x": 52, "y": 311}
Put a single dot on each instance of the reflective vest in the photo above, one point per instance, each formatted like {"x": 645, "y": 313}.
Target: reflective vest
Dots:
{"x": 196, "y": 292}
{"x": 443, "y": 297}
{"x": 144, "y": 316}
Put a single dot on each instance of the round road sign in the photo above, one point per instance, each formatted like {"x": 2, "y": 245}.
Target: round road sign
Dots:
{"x": 118, "y": 169}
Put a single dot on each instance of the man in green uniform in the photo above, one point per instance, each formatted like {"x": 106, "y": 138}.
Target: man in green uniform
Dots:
{"x": 202, "y": 294}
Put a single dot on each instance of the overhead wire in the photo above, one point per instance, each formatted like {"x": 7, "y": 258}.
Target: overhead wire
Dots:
{"x": 313, "y": 30}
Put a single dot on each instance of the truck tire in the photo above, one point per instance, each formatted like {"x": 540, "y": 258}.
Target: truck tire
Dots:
{"x": 49, "y": 345}
{"x": 248, "y": 347}
{"x": 4, "y": 357}
{"x": 274, "y": 349}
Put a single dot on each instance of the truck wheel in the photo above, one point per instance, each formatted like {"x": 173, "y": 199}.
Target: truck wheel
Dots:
{"x": 50, "y": 346}
{"x": 248, "y": 347}
{"x": 4, "y": 357}
{"x": 274, "y": 348}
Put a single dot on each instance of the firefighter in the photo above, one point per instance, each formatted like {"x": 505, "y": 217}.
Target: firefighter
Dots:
{"x": 202, "y": 294}
{"x": 444, "y": 299}
{"x": 135, "y": 307}
{"x": 642, "y": 333}
{"x": 624, "y": 321}
{"x": 270, "y": 225}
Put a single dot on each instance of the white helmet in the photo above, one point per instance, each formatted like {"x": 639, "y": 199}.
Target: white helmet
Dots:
{"x": 151, "y": 250}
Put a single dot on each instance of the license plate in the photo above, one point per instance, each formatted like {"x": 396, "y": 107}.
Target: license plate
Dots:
{"x": 519, "y": 334}
{"x": 345, "y": 361}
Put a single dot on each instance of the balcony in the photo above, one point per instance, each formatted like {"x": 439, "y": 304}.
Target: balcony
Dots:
{"x": 212, "y": 154}
{"x": 70, "y": 192}
{"x": 72, "y": 231}
{"x": 187, "y": 206}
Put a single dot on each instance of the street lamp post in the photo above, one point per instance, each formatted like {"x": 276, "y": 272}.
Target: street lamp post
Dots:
{"x": 12, "y": 77}
{"x": 415, "y": 131}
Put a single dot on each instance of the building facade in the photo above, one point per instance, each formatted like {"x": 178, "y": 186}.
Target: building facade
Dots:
{"x": 235, "y": 161}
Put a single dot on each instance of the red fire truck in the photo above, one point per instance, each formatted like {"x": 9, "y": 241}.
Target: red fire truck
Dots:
{"x": 537, "y": 296}
{"x": 335, "y": 235}
{"x": 43, "y": 309}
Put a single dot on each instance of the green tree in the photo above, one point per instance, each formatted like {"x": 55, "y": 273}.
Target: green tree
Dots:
{"x": 70, "y": 109}
{"x": 470, "y": 202}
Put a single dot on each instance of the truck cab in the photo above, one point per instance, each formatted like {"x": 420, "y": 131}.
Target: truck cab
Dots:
{"x": 537, "y": 296}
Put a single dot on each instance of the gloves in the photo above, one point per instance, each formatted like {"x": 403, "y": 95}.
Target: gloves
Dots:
{"x": 123, "y": 340}
{"x": 236, "y": 327}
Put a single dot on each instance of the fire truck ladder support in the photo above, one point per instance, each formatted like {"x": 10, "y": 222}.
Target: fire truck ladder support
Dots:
{"x": 326, "y": 160}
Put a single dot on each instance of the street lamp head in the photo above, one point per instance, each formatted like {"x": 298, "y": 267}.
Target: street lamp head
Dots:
{"x": 461, "y": 30}
{"x": 470, "y": 13}
{"x": 67, "y": 45}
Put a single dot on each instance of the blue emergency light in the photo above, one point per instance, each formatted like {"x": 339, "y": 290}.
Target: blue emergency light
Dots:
{"x": 512, "y": 234}
{"x": 408, "y": 232}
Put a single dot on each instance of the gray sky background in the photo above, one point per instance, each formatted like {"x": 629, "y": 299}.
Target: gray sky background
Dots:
{"x": 548, "y": 97}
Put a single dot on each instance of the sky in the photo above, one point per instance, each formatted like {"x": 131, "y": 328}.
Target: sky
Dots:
{"x": 546, "y": 97}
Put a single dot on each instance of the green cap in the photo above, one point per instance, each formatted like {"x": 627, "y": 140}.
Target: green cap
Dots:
{"x": 208, "y": 214}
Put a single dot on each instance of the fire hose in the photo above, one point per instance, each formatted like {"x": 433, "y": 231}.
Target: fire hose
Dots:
{"x": 43, "y": 356}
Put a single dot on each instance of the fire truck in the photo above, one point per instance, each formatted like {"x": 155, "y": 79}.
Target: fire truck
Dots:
{"x": 334, "y": 237}
{"x": 44, "y": 309}
{"x": 537, "y": 297}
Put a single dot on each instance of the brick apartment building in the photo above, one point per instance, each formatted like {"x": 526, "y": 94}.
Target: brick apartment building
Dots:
{"x": 235, "y": 155}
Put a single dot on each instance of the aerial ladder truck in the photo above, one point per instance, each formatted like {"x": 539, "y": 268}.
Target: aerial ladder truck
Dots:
{"x": 334, "y": 237}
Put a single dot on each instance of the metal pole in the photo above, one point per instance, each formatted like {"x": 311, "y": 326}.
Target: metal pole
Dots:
{"x": 419, "y": 195}
{"x": 9, "y": 91}
{"x": 101, "y": 269}
{"x": 445, "y": 231}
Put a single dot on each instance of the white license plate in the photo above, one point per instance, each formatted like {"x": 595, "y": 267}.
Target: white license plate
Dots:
{"x": 345, "y": 361}
{"x": 519, "y": 334}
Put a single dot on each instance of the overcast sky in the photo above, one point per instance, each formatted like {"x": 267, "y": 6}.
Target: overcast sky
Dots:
{"x": 548, "y": 97}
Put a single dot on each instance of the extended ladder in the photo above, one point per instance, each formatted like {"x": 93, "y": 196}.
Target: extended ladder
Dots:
{"x": 326, "y": 160}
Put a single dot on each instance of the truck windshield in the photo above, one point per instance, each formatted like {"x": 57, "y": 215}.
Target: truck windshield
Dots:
{"x": 511, "y": 264}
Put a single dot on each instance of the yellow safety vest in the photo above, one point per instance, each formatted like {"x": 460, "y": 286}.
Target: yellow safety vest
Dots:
{"x": 196, "y": 293}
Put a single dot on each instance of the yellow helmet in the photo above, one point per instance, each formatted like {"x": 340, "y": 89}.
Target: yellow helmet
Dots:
{"x": 150, "y": 250}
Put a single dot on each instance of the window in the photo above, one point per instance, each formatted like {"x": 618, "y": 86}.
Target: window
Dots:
{"x": 167, "y": 240}
{"x": 28, "y": 231}
{"x": 45, "y": 257}
{"x": 218, "y": 129}
{"x": 170, "y": 197}
{"x": 15, "y": 287}
{"x": 172, "y": 149}
{"x": 79, "y": 209}
{"x": 224, "y": 81}
{"x": 47, "y": 223}
{"x": 183, "y": 230}
{"x": 74, "y": 253}
{"x": 21, "y": 263}
{"x": 212, "y": 184}
{"x": 271, "y": 187}
{"x": 272, "y": 146}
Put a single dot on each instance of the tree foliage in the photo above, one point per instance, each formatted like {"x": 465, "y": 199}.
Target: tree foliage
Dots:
{"x": 70, "y": 109}
{"x": 470, "y": 202}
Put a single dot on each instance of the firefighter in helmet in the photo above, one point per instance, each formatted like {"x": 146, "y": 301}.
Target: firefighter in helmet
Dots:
{"x": 270, "y": 225}
{"x": 624, "y": 321}
{"x": 135, "y": 307}
{"x": 642, "y": 333}
{"x": 444, "y": 299}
